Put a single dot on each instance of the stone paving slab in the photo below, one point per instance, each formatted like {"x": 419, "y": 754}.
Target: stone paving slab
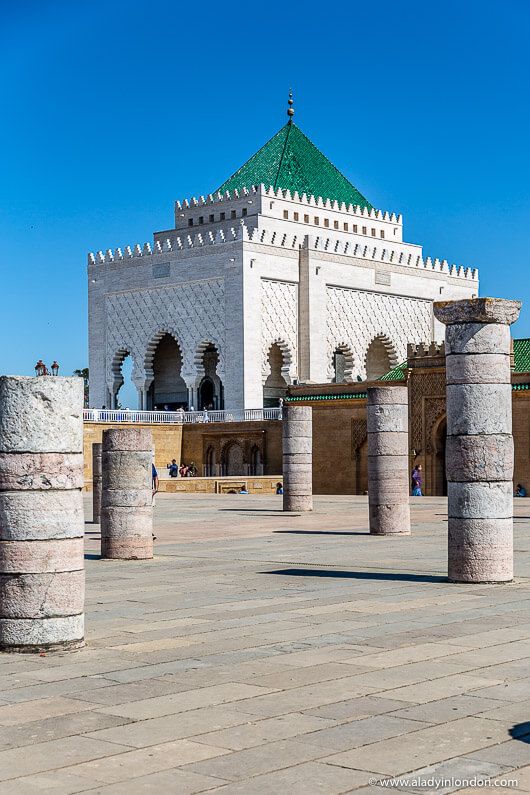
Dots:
{"x": 263, "y": 653}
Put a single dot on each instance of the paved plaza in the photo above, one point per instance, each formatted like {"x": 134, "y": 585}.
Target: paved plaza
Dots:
{"x": 263, "y": 652}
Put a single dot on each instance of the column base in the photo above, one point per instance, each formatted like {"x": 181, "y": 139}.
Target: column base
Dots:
{"x": 67, "y": 645}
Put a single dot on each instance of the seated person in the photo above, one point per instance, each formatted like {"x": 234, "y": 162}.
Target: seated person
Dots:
{"x": 242, "y": 490}
{"x": 183, "y": 471}
{"x": 279, "y": 488}
{"x": 520, "y": 491}
{"x": 173, "y": 469}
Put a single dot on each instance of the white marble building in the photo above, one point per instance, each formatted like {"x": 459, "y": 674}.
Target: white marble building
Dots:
{"x": 286, "y": 273}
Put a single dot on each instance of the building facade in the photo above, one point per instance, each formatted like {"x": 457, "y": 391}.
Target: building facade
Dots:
{"x": 286, "y": 274}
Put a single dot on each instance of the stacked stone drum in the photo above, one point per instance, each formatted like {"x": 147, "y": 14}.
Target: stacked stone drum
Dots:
{"x": 127, "y": 499}
{"x": 96, "y": 482}
{"x": 297, "y": 443}
{"x": 479, "y": 452}
{"x": 388, "y": 463}
{"x": 42, "y": 578}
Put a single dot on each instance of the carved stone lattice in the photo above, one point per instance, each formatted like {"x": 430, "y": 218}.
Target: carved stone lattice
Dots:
{"x": 279, "y": 323}
{"x": 356, "y": 317}
{"x": 434, "y": 409}
{"x": 422, "y": 385}
{"x": 193, "y": 313}
{"x": 358, "y": 435}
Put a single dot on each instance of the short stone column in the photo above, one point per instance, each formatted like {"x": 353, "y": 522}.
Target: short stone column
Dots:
{"x": 42, "y": 578}
{"x": 96, "y": 482}
{"x": 127, "y": 497}
{"x": 297, "y": 444}
{"x": 388, "y": 461}
{"x": 479, "y": 451}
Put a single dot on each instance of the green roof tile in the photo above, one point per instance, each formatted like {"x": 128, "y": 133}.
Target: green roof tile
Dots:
{"x": 521, "y": 355}
{"x": 397, "y": 374}
{"x": 290, "y": 161}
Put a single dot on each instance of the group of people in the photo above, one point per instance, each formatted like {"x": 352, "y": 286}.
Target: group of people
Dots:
{"x": 184, "y": 471}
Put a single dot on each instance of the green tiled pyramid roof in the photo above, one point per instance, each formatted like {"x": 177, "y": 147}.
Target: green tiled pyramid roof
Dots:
{"x": 521, "y": 355}
{"x": 290, "y": 161}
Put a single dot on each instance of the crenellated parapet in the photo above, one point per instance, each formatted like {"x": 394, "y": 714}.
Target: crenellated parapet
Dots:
{"x": 315, "y": 202}
{"x": 285, "y": 240}
{"x": 423, "y": 349}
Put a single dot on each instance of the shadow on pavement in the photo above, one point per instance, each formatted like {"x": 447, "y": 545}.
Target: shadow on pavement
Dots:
{"x": 259, "y": 510}
{"x": 357, "y": 575}
{"x": 92, "y": 556}
{"x": 521, "y": 731}
{"x": 326, "y": 532}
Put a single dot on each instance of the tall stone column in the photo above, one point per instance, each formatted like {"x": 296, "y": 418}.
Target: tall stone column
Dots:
{"x": 96, "y": 482}
{"x": 127, "y": 499}
{"x": 42, "y": 578}
{"x": 479, "y": 452}
{"x": 297, "y": 442}
{"x": 388, "y": 462}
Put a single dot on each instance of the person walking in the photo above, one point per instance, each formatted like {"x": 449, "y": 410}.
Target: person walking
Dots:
{"x": 416, "y": 481}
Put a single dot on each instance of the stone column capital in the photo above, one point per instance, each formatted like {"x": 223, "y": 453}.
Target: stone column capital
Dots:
{"x": 477, "y": 310}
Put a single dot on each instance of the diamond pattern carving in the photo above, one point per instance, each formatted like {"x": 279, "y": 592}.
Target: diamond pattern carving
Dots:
{"x": 193, "y": 313}
{"x": 356, "y": 317}
{"x": 279, "y": 323}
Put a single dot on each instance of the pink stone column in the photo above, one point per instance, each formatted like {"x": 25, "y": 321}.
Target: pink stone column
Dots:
{"x": 42, "y": 578}
{"x": 127, "y": 499}
{"x": 479, "y": 451}
{"x": 297, "y": 445}
{"x": 96, "y": 482}
{"x": 388, "y": 460}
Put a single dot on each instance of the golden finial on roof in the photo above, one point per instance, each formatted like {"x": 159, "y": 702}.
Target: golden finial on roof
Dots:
{"x": 290, "y": 109}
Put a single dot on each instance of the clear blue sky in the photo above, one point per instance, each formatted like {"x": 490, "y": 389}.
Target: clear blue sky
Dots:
{"x": 112, "y": 110}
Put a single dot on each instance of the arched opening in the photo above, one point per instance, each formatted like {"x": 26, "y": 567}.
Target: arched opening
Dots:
{"x": 168, "y": 389}
{"x": 439, "y": 481}
{"x": 256, "y": 461}
{"x": 206, "y": 393}
{"x": 379, "y": 359}
{"x": 125, "y": 394}
{"x": 210, "y": 464}
{"x": 233, "y": 459}
{"x": 275, "y": 386}
{"x": 210, "y": 393}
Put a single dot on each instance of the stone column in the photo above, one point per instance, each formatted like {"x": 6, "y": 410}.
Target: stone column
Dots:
{"x": 297, "y": 442}
{"x": 388, "y": 462}
{"x": 42, "y": 578}
{"x": 479, "y": 452}
{"x": 127, "y": 498}
{"x": 96, "y": 482}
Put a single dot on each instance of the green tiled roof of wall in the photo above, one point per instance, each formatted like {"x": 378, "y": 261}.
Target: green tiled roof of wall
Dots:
{"x": 290, "y": 161}
{"x": 397, "y": 374}
{"x": 521, "y": 355}
{"x": 349, "y": 396}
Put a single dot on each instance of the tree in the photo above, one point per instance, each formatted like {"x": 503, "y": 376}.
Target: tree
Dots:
{"x": 83, "y": 373}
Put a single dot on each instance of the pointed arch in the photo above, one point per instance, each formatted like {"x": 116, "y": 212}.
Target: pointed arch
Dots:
{"x": 287, "y": 360}
{"x": 208, "y": 375}
{"x": 116, "y": 370}
{"x": 152, "y": 345}
{"x": 346, "y": 354}
{"x": 380, "y": 357}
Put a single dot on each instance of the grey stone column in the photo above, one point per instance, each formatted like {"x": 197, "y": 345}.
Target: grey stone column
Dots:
{"x": 388, "y": 461}
{"x": 479, "y": 452}
{"x": 297, "y": 444}
{"x": 96, "y": 482}
{"x": 42, "y": 578}
{"x": 127, "y": 499}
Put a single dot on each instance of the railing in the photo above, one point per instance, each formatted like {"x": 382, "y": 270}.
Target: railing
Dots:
{"x": 179, "y": 417}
